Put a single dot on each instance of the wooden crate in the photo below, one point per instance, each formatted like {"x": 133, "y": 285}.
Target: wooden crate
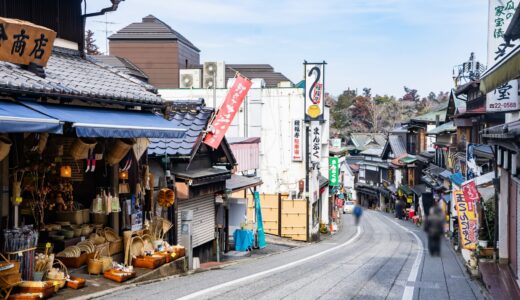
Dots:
{"x": 148, "y": 262}
{"x": 118, "y": 276}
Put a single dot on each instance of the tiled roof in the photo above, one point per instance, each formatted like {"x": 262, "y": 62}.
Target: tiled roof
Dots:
{"x": 150, "y": 28}
{"x": 397, "y": 145}
{"x": 372, "y": 152}
{"x": 446, "y": 127}
{"x": 264, "y": 71}
{"x": 363, "y": 140}
{"x": 121, "y": 64}
{"x": 194, "y": 121}
{"x": 70, "y": 76}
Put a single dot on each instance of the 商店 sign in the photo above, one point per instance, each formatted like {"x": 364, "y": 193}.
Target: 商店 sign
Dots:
{"x": 314, "y": 100}
{"x": 24, "y": 43}
{"x": 333, "y": 171}
{"x": 297, "y": 146}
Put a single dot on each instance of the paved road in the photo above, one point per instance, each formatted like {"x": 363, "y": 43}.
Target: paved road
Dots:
{"x": 382, "y": 259}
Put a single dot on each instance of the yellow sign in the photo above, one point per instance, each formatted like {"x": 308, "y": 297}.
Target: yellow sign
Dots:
{"x": 22, "y": 42}
{"x": 314, "y": 111}
{"x": 409, "y": 199}
{"x": 467, "y": 222}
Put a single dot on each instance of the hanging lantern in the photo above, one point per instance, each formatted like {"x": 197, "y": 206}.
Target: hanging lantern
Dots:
{"x": 123, "y": 175}
{"x": 66, "y": 171}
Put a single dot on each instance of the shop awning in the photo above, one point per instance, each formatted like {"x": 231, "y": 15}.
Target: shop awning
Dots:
{"x": 239, "y": 183}
{"x": 18, "y": 118}
{"x": 110, "y": 123}
{"x": 405, "y": 189}
{"x": 506, "y": 69}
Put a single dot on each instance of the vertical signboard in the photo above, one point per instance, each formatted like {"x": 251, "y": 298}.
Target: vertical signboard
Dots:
{"x": 467, "y": 222}
{"x": 333, "y": 171}
{"x": 314, "y": 91}
{"x": 297, "y": 147}
{"x": 315, "y": 143}
{"x": 505, "y": 97}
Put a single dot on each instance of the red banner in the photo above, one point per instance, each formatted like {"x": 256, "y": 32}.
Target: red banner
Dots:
{"x": 471, "y": 195}
{"x": 227, "y": 111}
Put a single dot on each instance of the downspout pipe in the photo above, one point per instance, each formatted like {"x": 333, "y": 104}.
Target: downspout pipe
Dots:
{"x": 113, "y": 7}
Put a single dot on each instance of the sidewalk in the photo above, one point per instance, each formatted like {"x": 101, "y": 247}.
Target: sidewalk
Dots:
{"x": 443, "y": 277}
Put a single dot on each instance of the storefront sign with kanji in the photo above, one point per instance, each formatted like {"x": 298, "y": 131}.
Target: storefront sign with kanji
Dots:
{"x": 468, "y": 229}
{"x": 23, "y": 42}
{"x": 314, "y": 100}
{"x": 315, "y": 143}
{"x": 227, "y": 111}
{"x": 333, "y": 171}
{"x": 503, "y": 98}
{"x": 297, "y": 147}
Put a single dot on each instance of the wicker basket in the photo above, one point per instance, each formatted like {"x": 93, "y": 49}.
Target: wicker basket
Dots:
{"x": 80, "y": 148}
{"x": 5, "y": 146}
{"x": 95, "y": 265}
{"x": 119, "y": 150}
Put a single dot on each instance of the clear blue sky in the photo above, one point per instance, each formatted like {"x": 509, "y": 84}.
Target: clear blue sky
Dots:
{"x": 382, "y": 44}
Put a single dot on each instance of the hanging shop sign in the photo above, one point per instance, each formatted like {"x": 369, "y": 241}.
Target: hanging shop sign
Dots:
{"x": 500, "y": 14}
{"x": 503, "y": 98}
{"x": 315, "y": 138}
{"x": 227, "y": 111}
{"x": 333, "y": 171}
{"x": 471, "y": 195}
{"x": 467, "y": 222}
{"x": 22, "y": 42}
{"x": 297, "y": 146}
{"x": 314, "y": 91}
{"x": 472, "y": 169}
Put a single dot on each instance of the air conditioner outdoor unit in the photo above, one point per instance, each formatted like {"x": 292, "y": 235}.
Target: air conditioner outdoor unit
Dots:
{"x": 214, "y": 75}
{"x": 189, "y": 79}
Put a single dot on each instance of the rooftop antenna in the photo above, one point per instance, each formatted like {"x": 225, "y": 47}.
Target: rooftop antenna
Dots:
{"x": 467, "y": 71}
{"x": 106, "y": 22}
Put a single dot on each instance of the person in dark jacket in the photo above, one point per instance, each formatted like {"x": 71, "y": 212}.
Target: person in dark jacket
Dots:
{"x": 399, "y": 206}
{"x": 434, "y": 227}
{"x": 358, "y": 211}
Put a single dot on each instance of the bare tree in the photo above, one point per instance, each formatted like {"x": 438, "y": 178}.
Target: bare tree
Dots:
{"x": 90, "y": 43}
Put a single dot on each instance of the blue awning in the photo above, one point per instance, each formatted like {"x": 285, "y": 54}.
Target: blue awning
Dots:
{"x": 18, "y": 118}
{"x": 110, "y": 123}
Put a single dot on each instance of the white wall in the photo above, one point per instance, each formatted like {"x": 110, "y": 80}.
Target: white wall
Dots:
{"x": 502, "y": 214}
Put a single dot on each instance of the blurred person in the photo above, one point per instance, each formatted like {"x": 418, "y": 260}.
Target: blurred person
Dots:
{"x": 358, "y": 211}
{"x": 434, "y": 227}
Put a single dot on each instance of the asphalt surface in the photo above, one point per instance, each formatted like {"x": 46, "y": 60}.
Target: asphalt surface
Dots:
{"x": 382, "y": 259}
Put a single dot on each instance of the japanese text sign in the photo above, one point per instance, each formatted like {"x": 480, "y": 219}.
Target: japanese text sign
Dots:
{"x": 227, "y": 111}
{"x": 296, "y": 143}
{"x": 333, "y": 171}
{"x": 467, "y": 222}
{"x": 314, "y": 101}
{"x": 500, "y": 14}
{"x": 471, "y": 195}
{"x": 503, "y": 98}
{"x": 23, "y": 42}
{"x": 315, "y": 143}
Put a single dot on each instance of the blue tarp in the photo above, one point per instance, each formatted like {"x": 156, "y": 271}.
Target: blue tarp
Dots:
{"x": 457, "y": 178}
{"x": 447, "y": 197}
{"x": 104, "y": 122}
{"x": 18, "y": 118}
{"x": 243, "y": 239}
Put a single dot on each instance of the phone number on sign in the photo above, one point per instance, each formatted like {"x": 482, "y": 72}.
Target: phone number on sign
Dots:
{"x": 503, "y": 105}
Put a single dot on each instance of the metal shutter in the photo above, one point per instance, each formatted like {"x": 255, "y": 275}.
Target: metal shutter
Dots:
{"x": 203, "y": 224}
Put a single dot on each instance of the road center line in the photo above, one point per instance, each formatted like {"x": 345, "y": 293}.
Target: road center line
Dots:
{"x": 412, "y": 278}
{"x": 269, "y": 271}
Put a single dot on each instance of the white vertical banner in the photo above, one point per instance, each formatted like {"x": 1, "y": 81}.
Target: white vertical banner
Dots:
{"x": 296, "y": 143}
{"x": 315, "y": 143}
{"x": 314, "y": 100}
{"x": 500, "y": 14}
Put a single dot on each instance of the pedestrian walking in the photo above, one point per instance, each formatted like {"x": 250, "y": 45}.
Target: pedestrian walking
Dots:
{"x": 358, "y": 211}
{"x": 434, "y": 227}
{"x": 399, "y": 206}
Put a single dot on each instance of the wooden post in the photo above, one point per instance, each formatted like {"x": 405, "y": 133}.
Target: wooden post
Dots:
{"x": 279, "y": 214}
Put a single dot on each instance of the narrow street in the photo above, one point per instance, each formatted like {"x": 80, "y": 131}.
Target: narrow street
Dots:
{"x": 374, "y": 263}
